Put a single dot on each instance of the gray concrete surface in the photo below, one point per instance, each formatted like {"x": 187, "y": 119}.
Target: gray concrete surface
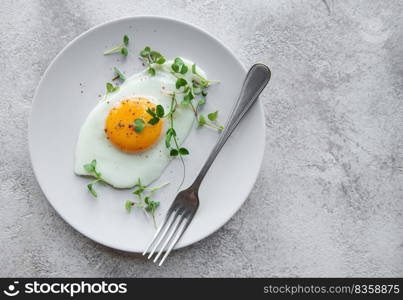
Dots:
{"x": 329, "y": 199}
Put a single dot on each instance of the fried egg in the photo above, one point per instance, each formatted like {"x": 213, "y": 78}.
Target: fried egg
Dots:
{"x": 108, "y": 136}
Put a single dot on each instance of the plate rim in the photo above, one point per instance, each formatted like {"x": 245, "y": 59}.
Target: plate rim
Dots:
{"x": 41, "y": 82}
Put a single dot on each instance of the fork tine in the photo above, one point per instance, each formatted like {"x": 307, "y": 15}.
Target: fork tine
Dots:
{"x": 176, "y": 239}
{"x": 169, "y": 238}
{"x": 163, "y": 235}
{"x": 166, "y": 218}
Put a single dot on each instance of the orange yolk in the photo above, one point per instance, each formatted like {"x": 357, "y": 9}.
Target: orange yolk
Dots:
{"x": 119, "y": 128}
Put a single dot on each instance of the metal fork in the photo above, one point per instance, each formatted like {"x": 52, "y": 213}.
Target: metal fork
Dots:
{"x": 186, "y": 203}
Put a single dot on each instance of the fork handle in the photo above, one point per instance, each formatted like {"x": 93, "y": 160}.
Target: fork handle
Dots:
{"x": 254, "y": 83}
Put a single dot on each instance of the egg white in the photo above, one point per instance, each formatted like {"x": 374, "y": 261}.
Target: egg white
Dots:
{"x": 121, "y": 169}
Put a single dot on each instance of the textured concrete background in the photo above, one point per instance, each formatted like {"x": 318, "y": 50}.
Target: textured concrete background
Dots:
{"x": 329, "y": 199}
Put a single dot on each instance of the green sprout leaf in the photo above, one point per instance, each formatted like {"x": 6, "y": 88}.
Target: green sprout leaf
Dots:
{"x": 151, "y": 205}
{"x": 145, "y": 52}
{"x": 161, "y": 60}
{"x": 139, "y": 125}
{"x": 125, "y": 40}
{"x": 183, "y": 151}
{"x": 128, "y": 205}
{"x": 160, "y": 111}
{"x": 140, "y": 188}
{"x": 90, "y": 168}
{"x": 91, "y": 189}
{"x": 202, "y": 101}
{"x": 153, "y": 121}
{"x": 184, "y": 69}
{"x": 145, "y": 202}
{"x": 188, "y": 98}
{"x": 151, "y": 112}
{"x": 202, "y": 121}
{"x": 179, "y": 66}
{"x": 213, "y": 116}
{"x": 138, "y": 191}
{"x": 156, "y": 115}
{"x": 110, "y": 88}
{"x": 120, "y": 48}
{"x": 168, "y": 137}
{"x": 119, "y": 74}
{"x": 124, "y": 51}
{"x": 180, "y": 82}
{"x": 151, "y": 57}
{"x": 174, "y": 152}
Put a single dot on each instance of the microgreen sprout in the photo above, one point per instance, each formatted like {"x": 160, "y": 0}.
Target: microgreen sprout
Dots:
{"x": 213, "y": 118}
{"x": 156, "y": 115}
{"x": 110, "y": 88}
{"x": 91, "y": 169}
{"x": 144, "y": 195}
{"x": 121, "y": 48}
{"x": 179, "y": 66}
{"x": 118, "y": 74}
{"x": 139, "y": 125}
{"x": 170, "y": 137}
{"x": 198, "y": 88}
{"x": 171, "y": 140}
{"x": 150, "y": 58}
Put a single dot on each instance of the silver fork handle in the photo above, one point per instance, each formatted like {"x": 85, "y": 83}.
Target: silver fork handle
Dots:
{"x": 254, "y": 83}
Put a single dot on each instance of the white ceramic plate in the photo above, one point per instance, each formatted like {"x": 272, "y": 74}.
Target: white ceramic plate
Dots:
{"x": 69, "y": 90}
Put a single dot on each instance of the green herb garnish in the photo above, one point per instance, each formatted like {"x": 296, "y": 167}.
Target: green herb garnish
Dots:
{"x": 121, "y": 48}
{"x": 202, "y": 121}
{"x": 180, "y": 82}
{"x": 179, "y": 66}
{"x": 91, "y": 168}
{"x": 144, "y": 194}
{"x": 110, "y": 88}
{"x": 150, "y": 58}
{"x": 119, "y": 75}
{"x": 213, "y": 116}
{"x": 171, "y": 140}
{"x": 197, "y": 89}
{"x": 171, "y": 133}
{"x": 156, "y": 115}
{"x": 139, "y": 125}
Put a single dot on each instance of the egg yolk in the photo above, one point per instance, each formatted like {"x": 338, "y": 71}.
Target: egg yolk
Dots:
{"x": 120, "y": 128}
